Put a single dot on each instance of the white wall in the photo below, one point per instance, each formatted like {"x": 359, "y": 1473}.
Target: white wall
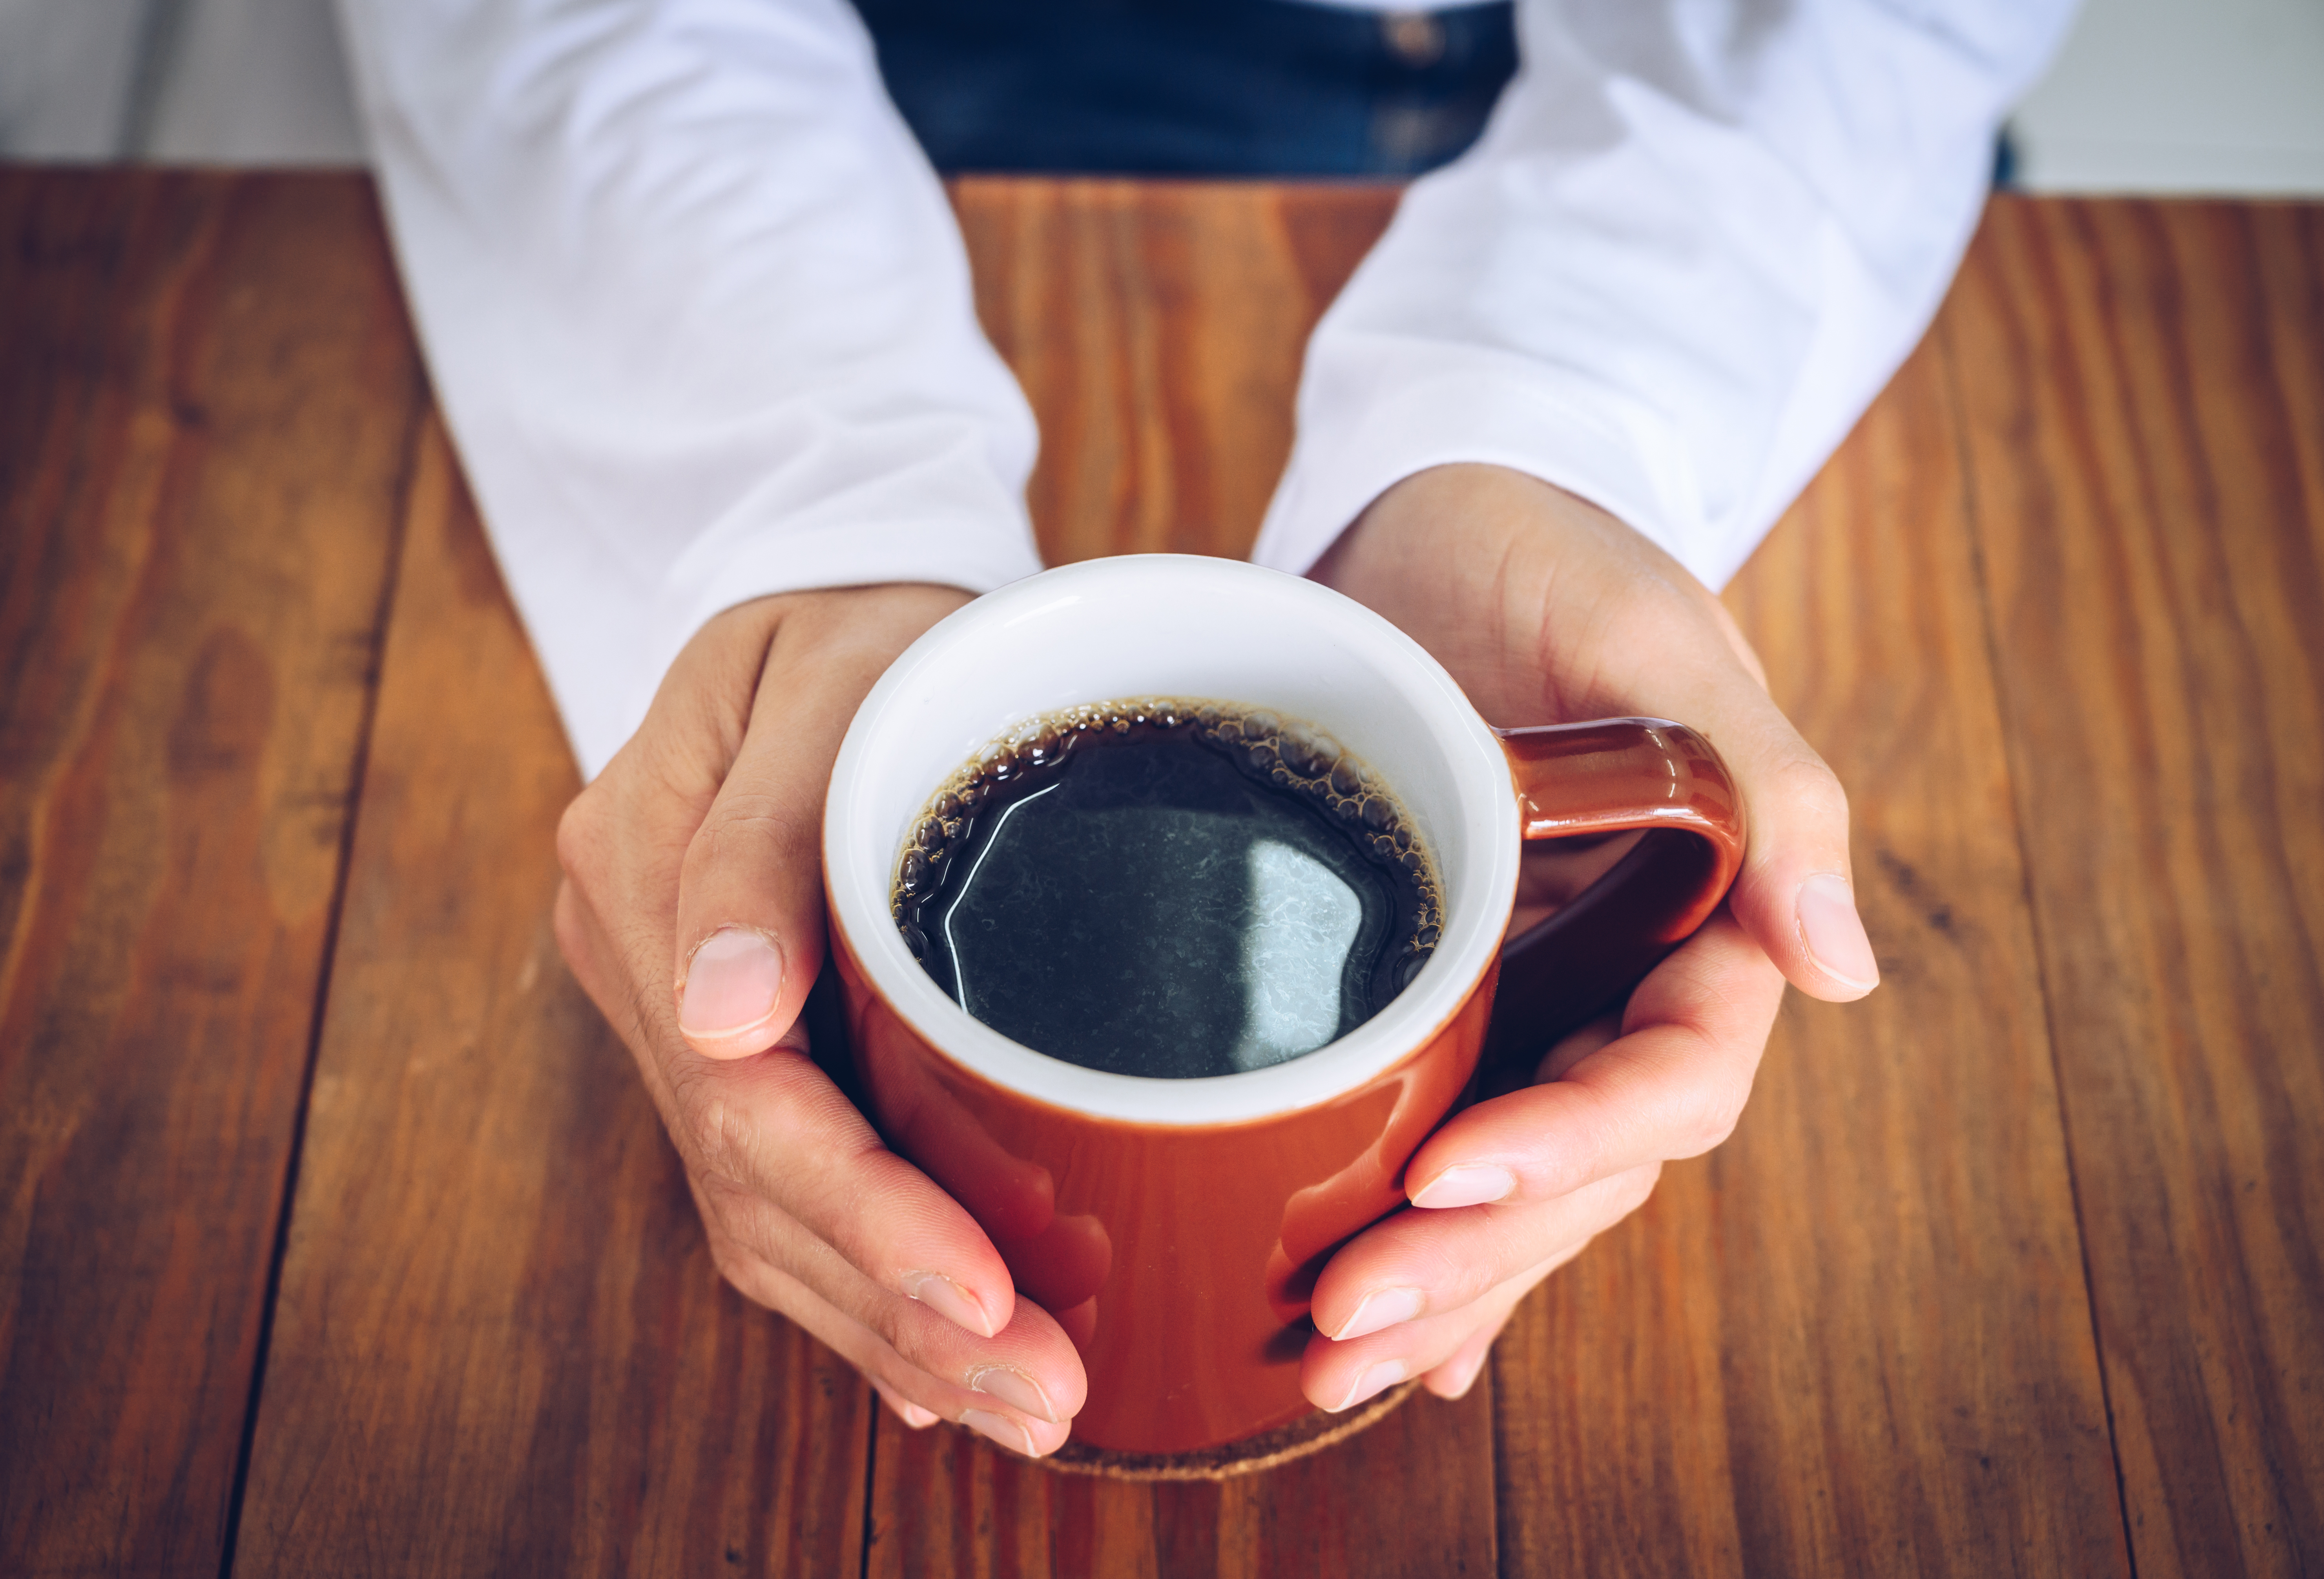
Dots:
{"x": 66, "y": 70}
{"x": 184, "y": 81}
{"x": 2158, "y": 96}
{"x": 254, "y": 83}
{"x": 2181, "y": 96}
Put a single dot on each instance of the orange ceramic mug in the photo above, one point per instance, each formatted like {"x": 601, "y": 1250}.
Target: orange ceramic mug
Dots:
{"x": 1174, "y": 1227}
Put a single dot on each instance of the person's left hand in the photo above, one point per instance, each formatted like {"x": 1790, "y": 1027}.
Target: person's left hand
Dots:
{"x": 1548, "y": 609}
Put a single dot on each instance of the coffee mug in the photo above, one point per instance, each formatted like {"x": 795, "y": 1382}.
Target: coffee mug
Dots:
{"x": 1176, "y": 1227}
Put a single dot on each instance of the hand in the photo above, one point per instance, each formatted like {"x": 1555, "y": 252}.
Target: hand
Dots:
{"x": 1547, "y": 610}
{"x": 692, "y": 913}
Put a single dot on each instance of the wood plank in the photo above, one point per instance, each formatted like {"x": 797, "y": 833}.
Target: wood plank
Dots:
{"x": 1853, "y": 1339}
{"x": 2146, "y": 444}
{"x": 944, "y": 1503}
{"x": 1158, "y": 329}
{"x": 207, "y": 394}
{"x": 500, "y": 1345}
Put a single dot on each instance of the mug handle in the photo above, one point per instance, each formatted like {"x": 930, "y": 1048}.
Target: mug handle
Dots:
{"x": 1602, "y": 777}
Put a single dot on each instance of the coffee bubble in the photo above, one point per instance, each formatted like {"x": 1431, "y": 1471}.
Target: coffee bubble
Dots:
{"x": 1290, "y": 756}
{"x": 1309, "y": 754}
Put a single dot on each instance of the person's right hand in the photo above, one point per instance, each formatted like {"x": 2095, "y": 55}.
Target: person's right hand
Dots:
{"x": 696, "y": 859}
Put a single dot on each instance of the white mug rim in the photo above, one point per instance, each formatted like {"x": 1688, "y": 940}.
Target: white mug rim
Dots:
{"x": 858, "y": 888}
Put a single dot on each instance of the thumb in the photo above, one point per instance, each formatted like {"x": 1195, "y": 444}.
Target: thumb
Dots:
{"x": 750, "y": 908}
{"x": 750, "y": 933}
{"x": 1795, "y": 894}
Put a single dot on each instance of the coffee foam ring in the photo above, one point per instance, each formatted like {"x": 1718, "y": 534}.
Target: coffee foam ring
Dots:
{"x": 1311, "y": 1432}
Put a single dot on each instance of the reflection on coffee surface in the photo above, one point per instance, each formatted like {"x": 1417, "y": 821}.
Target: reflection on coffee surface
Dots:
{"x": 1165, "y": 888}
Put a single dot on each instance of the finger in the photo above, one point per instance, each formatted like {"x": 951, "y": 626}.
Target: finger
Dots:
{"x": 1552, "y": 873}
{"x": 979, "y": 1409}
{"x": 912, "y": 1415}
{"x": 1419, "y": 1264}
{"x": 1338, "y": 1376}
{"x": 588, "y": 954}
{"x": 749, "y": 904}
{"x": 1585, "y": 616}
{"x": 1668, "y": 647}
{"x": 767, "y": 1121}
{"x": 1577, "y": 1045}
{"x": 1795, "y": 893}
{"x": 1032, "y": 1363}
{"x": 1795, "y": 890}
{"x": 1672, "y": 1086}
{"x": 1459, "y": 1373}
{"x": 772, "y": 1129}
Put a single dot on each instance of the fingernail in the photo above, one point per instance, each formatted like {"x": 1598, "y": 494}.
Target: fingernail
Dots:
{"x": 1379, "y": 1375}
{"x": 948, "y": 1300}
{"x": 1000, "y": 1428}
{"x": 731, "y": 983}
{"x": 1457, "y": 1383}
{"x": 1834, "y": 932}
{"x": 910, "y": 1413}
{"x": 1014, "y": 1388}
{"x": 1380, "y": 1308}
{"x": 1471, "y": 1185}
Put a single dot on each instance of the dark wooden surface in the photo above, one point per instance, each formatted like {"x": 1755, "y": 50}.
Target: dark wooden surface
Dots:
{"x": 336, "y": 1236}
{"x": 207, "y": 402}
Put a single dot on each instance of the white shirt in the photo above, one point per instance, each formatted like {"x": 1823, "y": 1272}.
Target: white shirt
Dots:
{"x": 700, "y": 321}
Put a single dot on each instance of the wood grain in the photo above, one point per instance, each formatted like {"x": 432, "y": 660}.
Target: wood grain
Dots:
{"x": 207, "y": 397}
{"x": 500, "y": 1345}
{"x": 1411, "y": 1496}
{"x": 2143, "y": 389}
{"x": 1853, "y": 1339}
{"x": 1157, "y": 328}
{"x": 2013, "y": 1268}
{"x": 1157, "y": 331}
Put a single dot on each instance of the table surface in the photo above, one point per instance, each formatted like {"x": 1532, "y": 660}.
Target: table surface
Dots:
{"x": 336, "y": 1236}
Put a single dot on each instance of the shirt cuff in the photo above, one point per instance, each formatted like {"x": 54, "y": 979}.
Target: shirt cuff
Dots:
{"x": 1447, "y": 405}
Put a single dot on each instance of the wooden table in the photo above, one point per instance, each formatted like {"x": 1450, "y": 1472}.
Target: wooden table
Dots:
{"x": 336, "y": 1236}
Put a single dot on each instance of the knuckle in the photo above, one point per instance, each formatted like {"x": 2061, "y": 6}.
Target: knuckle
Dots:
{"x": 716, "y": 1144}
{"x": 733, "y": 1265}
{"x": 716, "y": 1135}
{"x": 570, "y": 928}
{"x": 1713, "y": 1120}
{"x": 1638, "y": 1187}
{"x": 1662, "y": 609}
{"x": 1637, "y": 617}
{"x": 581, "y": 835}
{"x": 759, "y": 826}
{"x": 757, "y": 1246}
{"x": 1802, "y": 783}
{"x": 894, "y": 1322}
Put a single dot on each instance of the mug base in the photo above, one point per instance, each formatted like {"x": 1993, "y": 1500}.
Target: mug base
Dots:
{"x": 1311, "y": 1432}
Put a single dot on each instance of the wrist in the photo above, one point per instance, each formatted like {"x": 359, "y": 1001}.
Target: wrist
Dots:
{"x": 1489, "y": 568}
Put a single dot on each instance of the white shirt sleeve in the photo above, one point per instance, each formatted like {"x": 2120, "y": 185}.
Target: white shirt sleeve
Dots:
{"x": 698, "y": 315}
{"x": 1694, "y": 242}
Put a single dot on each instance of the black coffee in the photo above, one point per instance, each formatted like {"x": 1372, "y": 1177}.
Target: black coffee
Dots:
{"x": 1167, "y": 889}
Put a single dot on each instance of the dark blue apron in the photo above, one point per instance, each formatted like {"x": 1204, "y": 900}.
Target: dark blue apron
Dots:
{"x": 1191, "y": 87}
